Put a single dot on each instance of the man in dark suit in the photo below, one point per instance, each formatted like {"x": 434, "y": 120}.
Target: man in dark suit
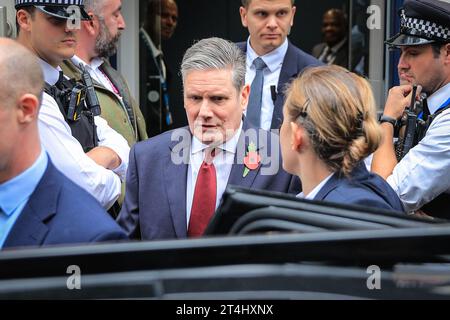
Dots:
{"x": 38, "y": 205}
{"x": 334, "y": 49}
{"x": 269, "y": 23}
{"x": 176, "y": 180}
{"x": 155, "y": 75}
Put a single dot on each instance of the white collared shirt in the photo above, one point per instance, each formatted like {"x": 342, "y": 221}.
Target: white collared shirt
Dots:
{"x": 67, "y": 154}
{"x": 316, "y": 190}
{"x": 333, "y": 50}
{"x": 424, "y": 173}
{"x": 96, "y": 73}
{"x": 274, "y": 61}
{"x": 223, "y": 163}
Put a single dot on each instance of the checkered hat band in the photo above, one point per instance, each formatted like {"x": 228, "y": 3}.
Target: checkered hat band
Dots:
{"x": 49, "y": 2}
{"x": 427, "y": 28}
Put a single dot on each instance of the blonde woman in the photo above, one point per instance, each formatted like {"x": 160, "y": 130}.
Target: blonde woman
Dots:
{"x": 329, "y": 128}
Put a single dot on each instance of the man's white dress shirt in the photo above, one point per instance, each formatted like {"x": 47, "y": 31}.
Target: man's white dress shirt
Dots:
{"x": 223, "y": 162}
{"x": 424, "y": 173}
{"x": 67, "y": 153}
{"x": 274, "y": 61}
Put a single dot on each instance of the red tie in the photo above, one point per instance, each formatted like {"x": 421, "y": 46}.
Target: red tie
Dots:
{"x": 204, "y": 202}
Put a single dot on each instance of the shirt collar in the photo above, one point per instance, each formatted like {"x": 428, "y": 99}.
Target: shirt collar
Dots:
{"x": 94, "y": 65}
{"x": 316, "y": 190}
{"x": 273, "y": 59}
{"x": 51, "y": 75}
{"x": 229, "y": 146}
{"x": 20, "y": 188}
{"x": 437, "y": 99}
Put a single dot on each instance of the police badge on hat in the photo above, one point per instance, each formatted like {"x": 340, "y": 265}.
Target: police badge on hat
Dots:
{"x": 423, "y": 22}
{"x": 56, "y": 8}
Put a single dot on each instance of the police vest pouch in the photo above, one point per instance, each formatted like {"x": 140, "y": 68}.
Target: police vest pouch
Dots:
{"x": 76, "y": 100}
{"x": 90, "y": 96}
{"x": 71, "y": 99}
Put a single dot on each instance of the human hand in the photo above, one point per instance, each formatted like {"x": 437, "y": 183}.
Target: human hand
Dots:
{"x": 399, "y": 99}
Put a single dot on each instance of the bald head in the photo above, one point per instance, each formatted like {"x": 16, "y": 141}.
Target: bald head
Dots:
{"x": 22, "y": 83}
{"x": 20, "y": 72}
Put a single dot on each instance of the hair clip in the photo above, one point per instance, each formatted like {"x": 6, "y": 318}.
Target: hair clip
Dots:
{"x": 304, "y": 108}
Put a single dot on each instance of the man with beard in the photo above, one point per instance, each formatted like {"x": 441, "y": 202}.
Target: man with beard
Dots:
{"x": 160, "y": 23}
{"x": 422, "y": 178}
{"x": 80, "y": 143}
{"x": 98, "y": 40}
{"x": 39, "y": 206}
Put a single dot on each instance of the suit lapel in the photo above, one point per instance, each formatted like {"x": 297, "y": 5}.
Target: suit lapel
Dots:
{"x": 176, "y": 192}
{"x": 238, "y": 167}
{"x": 117, "y": 81}
{"x": 30, "y": 228}
{"x": 120, "y": 84}
{"x": 289, "y": 70}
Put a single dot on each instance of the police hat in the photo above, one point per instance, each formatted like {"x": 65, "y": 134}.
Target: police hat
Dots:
{"x": 56, "y": 8}
{"x": 423, "y": 22}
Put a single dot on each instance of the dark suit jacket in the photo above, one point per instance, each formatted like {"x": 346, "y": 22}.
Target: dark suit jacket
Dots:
{"x": 155, "y": 201}
{"x": 294, "y": 62}
{"x": 60, "y": 212}
{"x": 342, "y": 55}
{"x": 149, "y": 82}
{"x": 363, "y": 188}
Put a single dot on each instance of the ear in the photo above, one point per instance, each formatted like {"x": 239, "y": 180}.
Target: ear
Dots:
{"x": 24, "y": 20}
{"x": 92, "y": 26}
{"x": 245, "y": 94}
{"x": 294, "y": 10}
{"x": 447, "y": 53}
{"x": 243, "y": 13}
{"x": 28, "y": 108}
{"x": 297, "y": 137}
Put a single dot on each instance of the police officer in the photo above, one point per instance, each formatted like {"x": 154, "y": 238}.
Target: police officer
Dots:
{"x": 422, "y": 177}
{"x": 98, "y": 40}
{"x": 79, "y": 142}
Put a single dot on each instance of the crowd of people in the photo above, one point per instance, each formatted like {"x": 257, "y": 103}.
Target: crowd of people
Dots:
{"x": 77, "y": 164}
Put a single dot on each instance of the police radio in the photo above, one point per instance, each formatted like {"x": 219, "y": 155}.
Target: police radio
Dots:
{"x": 411, "y": 128}
{"x": 75, "y": 102}
{"x": 70, "y": 97}
{"x": 92, "y": 102}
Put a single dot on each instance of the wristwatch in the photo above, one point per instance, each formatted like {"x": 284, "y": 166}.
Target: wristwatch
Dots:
{"x": 391, "y": 120}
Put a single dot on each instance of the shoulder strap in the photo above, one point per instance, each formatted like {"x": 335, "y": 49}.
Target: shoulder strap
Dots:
{"x": 433, "y": 116}
{"x": 119, "y": 82}
{"x": 439, "y": 112}
{"x": 53, "y": 92}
